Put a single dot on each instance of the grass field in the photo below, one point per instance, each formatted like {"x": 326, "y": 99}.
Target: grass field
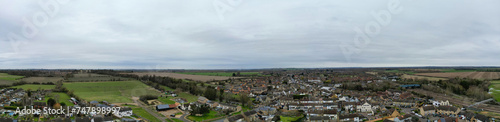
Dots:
{"x": 114, "y": 92}
{"x": 42, "y": 79}
{"x": 228, "y": 74}
{"x": 86, "y": 77}
{"x": 187, "y": 96}
{"x": 166, "y": 100}
{"x": 211, "y": 115}
{"x": 203, "y": 78}
{"x": 422, "y": 77}
{"x": 454, "y": 70}
{"x": 143, "y": 113}
{"x": 495, "y": 89}
{"x": 5, "y": 76}
{"x": 63, "y": 97}
{"x": 35, "y": 87}
{"x": 289, "y": 119}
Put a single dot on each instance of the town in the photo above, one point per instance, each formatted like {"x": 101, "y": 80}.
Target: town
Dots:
{"x": 267, "y": 95}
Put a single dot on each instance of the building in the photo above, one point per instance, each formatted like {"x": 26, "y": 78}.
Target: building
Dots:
{"x": 427, "y": 110}
{"x": 366, "y": 107}
{"x": 448, "y": 110}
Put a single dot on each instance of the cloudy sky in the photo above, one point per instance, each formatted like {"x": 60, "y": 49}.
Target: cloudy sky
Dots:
{"x": 242, "y": 34}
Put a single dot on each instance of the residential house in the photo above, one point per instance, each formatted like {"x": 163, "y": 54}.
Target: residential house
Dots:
{"x": 448, "y": 110}
{"x": 228, "y": 106}
{"x": 405, "y": 118}
{"x": 236, "y": 118}
{"x": 319, "y": 119}
{"x": 366, "y": 107}
{"x": 351, "y": 118}
{"x": 202, "y": 100}
{"x": 427, "y": 110}
{"x": 250, "y": 116}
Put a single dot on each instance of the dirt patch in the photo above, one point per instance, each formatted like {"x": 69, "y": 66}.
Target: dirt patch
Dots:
{"x": 203, "y": 78}
{"x": 169, "y": 112}
{"x": 474, "y": 75}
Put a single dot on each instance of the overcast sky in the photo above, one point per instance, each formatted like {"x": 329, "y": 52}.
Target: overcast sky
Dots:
{"x": 243, "y": 34}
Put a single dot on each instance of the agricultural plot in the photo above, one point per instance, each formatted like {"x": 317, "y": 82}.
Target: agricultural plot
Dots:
{"x": 422, "y": 77}
{"x": 6, "y": 79}
{"x": 114, "y": 92}
{"x": 91, "y": 77}
{"x": 473, "y": 75}
{"x": 5, "y": 76}
{"x": 184, "y": 76}
{"x": 187, "y": 96}
{"x": 227, "y": 74}
{"x": 42, "y": 79}
{"x": 495, "y": 89}
{"x": 35, "y": 87}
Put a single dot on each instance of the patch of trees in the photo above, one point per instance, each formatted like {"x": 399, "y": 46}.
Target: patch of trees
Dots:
{"x": 202, "y": 109}
{"x": 145, "y": 98}
{"x": 473, "y": 88}
{"x": 210, "y": 93}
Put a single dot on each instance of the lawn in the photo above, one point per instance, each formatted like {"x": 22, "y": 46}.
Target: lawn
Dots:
{"x": 166, "y": 100}
{"x": 35, "y": 87}
{"x": 495, "y": 89}
{"x": 63, "y": 97}
{"x": 5, "y": 76}
{"x": 114, "y": 92}
{"x": 211, "y": 115}
{"x": 143, "y": 113}
{"x": 228, "y": 74}
{"x": 290, "y": 119}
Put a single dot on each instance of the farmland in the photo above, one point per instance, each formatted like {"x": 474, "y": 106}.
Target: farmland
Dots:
{"x": 495, "y": 89}
{"x": 90, "y": 77}
{"x": 6, "y": 79}
{"x": 114, "y": 92}
{"x": 5, "y": 76}
{"x": 227, "y": 74}
{"x": 187, "y": 96}
{"x": 42, "y": 79}
{"x": 473, "y": 75}
{"x": 34, "y": 87}
{"x": 203, "y": 78}
{"x": 422, "y": 77}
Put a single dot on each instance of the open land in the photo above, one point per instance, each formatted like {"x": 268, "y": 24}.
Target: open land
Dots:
{"x": 473, "y": 75}
{"x": 185, "y": 76}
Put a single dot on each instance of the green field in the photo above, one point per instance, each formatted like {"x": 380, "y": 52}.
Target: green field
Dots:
{"x": 35, "y": 87}
{"x": 114, "y": 92}
{"x": 87, "y": 77}
{"x": 454, "y": 70}
{"x": 496, "y": 89}
{"x": 289, "y": 119}
{"x": 143, "y": 113}
{"x": 403, "y": 72}
{"x": 166, "y": 100}
{"x": 42, "y": 79}
{"x": 5, "y": 76}
{"x": 187, "y": 96}
{"x": 63, "y": 97}
{"x": 228, "y": 74}
{"x": 211, "y": 115}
